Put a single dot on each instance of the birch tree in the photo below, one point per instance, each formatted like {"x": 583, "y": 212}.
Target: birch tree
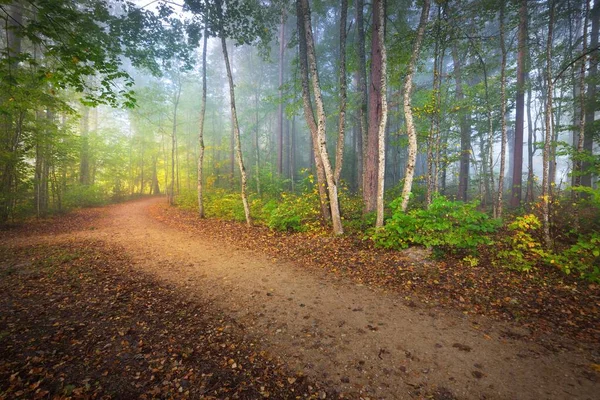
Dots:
{"x": 408, "y": 116}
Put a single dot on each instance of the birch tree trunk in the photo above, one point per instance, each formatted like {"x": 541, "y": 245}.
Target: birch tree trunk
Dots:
{"x": 410, "y": 126}
{"x": 383, "y": 119}
{"x": 236, "y": 133}
{"x": 201, "y": 129}
{"x": 548, "y": 134}
{"x": 309, "y": 115}
{"x": 339, "y": 152}
{"x": 502, "y": 116}
{"x": 321, "y": 120}
{"x": 591, "y": 101}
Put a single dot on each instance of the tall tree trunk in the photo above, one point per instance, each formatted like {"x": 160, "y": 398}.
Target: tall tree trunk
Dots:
{"x": 174, "y": 141}
{"x": 591, "y": 106}
{"x": 309, "y": 115}
{"x": 529, "y": 197}
{"x": 371, "y": 165}
{"x": 499, "y": 202}
{"x": 321, "y": 120}
{"x": 201, "y": 130}
{"x": 383, "y": 120}
{"x": 236, "y": 133}
{"x": 84, "y": 160}
{"x": 434, "y": 131}
{"x": 280, "y": 108}
{"x": 577, "y": 166}
{"x": 361, "y": 78}
{"x": 339, "y": 152}
{"x": 548, "y": 134}
{"x": 522, "y": 72}
{"x": 465, "y": 131}
{"x": 410, "y": 126}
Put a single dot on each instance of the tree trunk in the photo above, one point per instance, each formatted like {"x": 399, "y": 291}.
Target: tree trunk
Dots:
{"x": 339, "y": 152}
{"x": 522, "y": 72}
{"x": 499, "y": 202}
{"x": 371, "y": 164}
{"x": 174, "y": 141}
{"x": 309, "y": 115}
{"x": 591, "y": 106}
{"x": 84, "y": 161}
{"x": 201, "y": 130}
{"x": 280, "y": 109}
{"x": 410, "y": 127}
{"x": 465, "y": 131}
{"x": 578, "y": 166}
{"x": 548, "y": 134}
{"x": 361, "y": 77}
{"x": 383, "y": 119}
{"x": 236, "y": 133}
{"x": 321, "y": 120}
{"x": 529, "y": 197}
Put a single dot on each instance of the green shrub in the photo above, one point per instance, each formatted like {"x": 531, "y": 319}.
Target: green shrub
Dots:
{"x": 447, "y": 226}
{"x": 84, "y": 196}
{"x": 582, "y": 258}
{"x": 297, "y": 213}
{"x": 224, "y": 205}
{"x": 520, "y": 250}
{"x": 187, "y": 199}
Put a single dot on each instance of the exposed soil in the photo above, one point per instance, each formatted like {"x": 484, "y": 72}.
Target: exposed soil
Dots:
{"x": 375, "y": 339}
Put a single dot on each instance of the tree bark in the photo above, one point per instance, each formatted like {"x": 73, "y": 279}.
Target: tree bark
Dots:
{"x": 383, "y": 119}
{"x": 465, "y": 131}
{"x": 499, "y": 202}
{"x": 339, "y": 152}
{"x": 309, "y": 114}
{"x": 280, "y": 108}
{"x": 522, "y": 72}
{"x": 201, "y": 130}
{"x": 321, "y": 120}
{"x": 371, "y": 165}
{"x": 410, "y": 127}
{"x": 361, "y": 76}
{"x": 236, "y": 133}
{"x": 548, "y": 134}
{"x": 84, "y": 161}
{"x": 591, "y": 106}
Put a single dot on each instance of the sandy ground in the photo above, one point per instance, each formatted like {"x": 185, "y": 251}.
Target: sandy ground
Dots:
{"x": 362, "y": 342}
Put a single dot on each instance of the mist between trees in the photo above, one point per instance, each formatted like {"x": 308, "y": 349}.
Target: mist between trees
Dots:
{"x": 310, "y": 115}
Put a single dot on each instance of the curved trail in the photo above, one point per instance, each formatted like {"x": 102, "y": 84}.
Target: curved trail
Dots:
{"x": 362, "y": 342}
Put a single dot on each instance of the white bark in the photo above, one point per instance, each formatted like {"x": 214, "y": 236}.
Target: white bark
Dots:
{"x": 410, "y": 126}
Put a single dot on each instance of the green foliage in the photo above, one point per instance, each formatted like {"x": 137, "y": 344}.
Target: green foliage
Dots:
{"x": 296, "y": 213}
{"x": 224, "y": 205}
{"x": 84, "y": 196}
{"x": 521, "y": 250}
{"x": 582, "y": 258}
{"x": 447, "y": 226}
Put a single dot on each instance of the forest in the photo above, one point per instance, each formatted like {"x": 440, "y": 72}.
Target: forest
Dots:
{"x": 443, "y": 150}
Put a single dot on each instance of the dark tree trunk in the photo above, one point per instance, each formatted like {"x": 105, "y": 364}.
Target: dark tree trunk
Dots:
{"x": 522, "y": 72}
{"x": 465, "y": 131}
{"x": 371, "y": 164}
{"x": 361, "y": 85}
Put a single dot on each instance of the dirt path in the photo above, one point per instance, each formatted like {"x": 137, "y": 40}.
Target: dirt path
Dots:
{"x": 360, "y": 341}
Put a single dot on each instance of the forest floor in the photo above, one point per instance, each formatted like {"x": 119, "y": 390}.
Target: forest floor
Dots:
{"x": 139, "y": 300}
